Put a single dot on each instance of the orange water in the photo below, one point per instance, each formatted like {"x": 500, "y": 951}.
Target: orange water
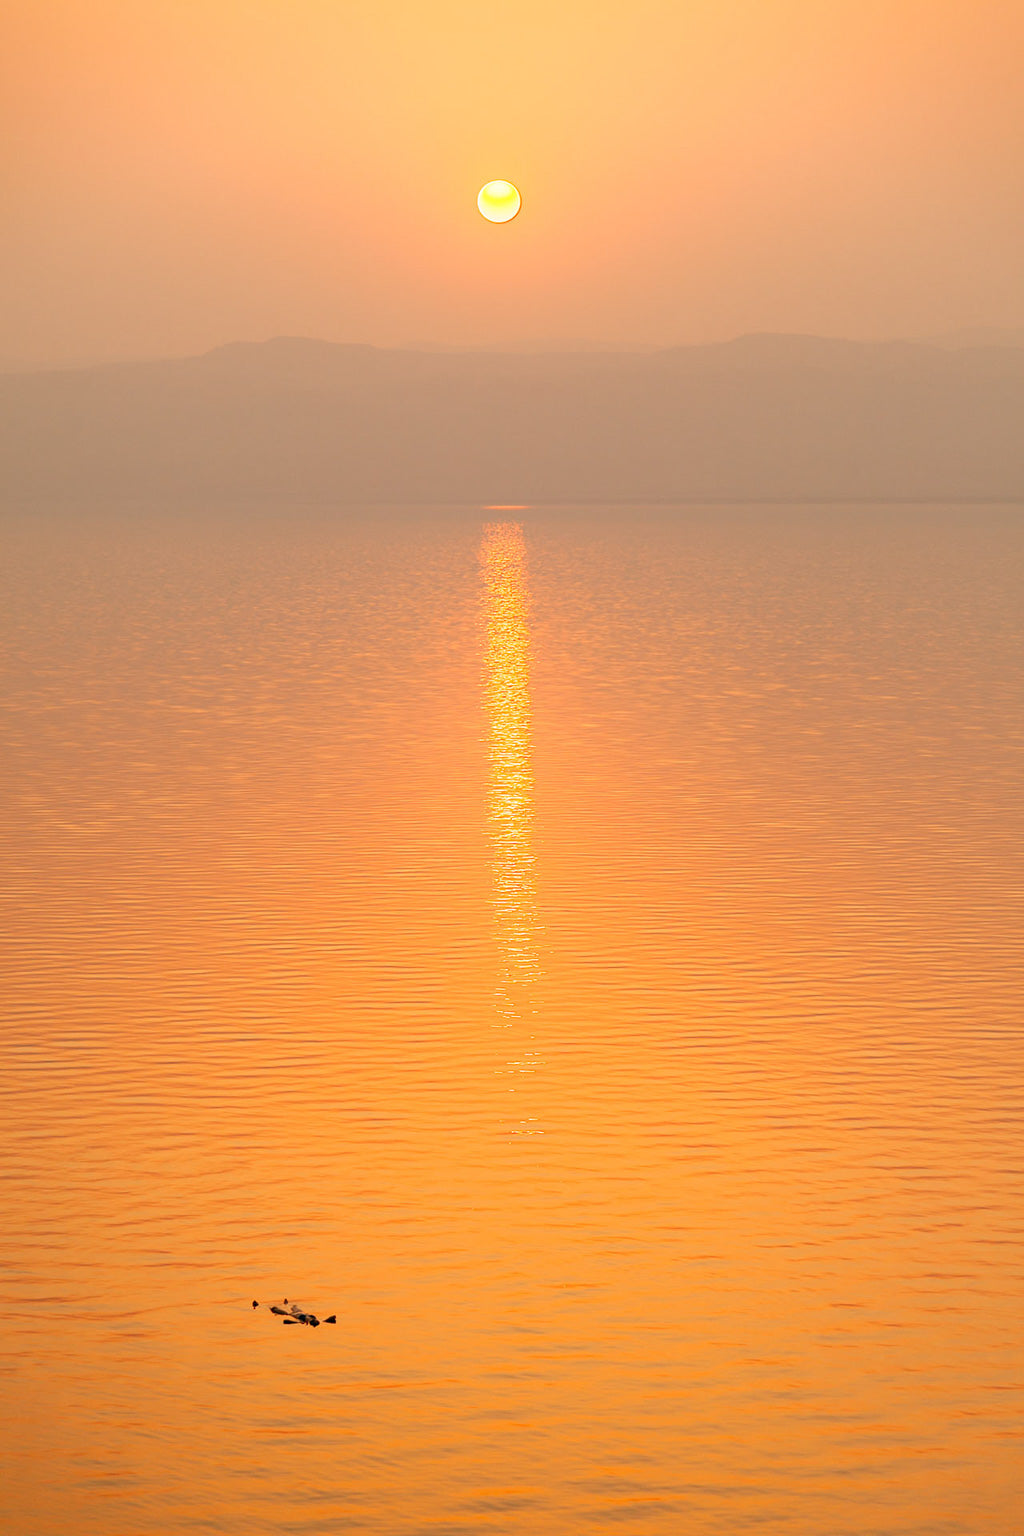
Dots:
{"x": 579, "y": 948}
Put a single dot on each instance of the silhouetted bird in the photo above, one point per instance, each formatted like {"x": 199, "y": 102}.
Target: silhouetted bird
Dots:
{"x": 293, "y": 1313}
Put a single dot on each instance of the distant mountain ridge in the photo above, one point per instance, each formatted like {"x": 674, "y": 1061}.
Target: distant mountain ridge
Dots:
{"x": 764, "y": 417}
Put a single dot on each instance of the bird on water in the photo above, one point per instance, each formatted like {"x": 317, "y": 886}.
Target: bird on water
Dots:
{"x": 292, "y": 1314}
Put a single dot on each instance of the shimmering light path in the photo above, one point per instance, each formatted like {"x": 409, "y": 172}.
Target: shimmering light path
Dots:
{"x": 510, "y": 789}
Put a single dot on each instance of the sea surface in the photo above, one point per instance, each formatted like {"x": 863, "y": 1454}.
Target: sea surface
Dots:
{"x": 580, "y": 948}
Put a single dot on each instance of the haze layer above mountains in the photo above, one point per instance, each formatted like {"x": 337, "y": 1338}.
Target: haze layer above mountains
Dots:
{"x": 762, "y": 417}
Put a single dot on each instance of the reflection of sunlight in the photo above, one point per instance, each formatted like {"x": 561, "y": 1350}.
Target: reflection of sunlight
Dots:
{"x": 510, "y": 792}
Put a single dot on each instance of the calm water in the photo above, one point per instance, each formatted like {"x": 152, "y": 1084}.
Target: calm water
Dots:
{"x": 581, "y": 950}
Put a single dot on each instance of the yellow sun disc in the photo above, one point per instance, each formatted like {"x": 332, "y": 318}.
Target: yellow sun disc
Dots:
{"x": 499, "y": 201}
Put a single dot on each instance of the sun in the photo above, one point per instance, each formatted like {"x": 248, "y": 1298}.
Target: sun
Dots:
{"x": 499, "y": 201}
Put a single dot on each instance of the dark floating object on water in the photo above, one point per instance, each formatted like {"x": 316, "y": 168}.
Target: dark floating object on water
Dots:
{"x": 290, "y": 1315}
{"x": 255, "y": 1305}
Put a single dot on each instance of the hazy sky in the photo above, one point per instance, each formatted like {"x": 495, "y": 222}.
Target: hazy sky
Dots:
{"x": 180, "y": 173}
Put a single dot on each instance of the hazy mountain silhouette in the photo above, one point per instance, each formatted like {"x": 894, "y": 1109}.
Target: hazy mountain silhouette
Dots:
{"x": 763, "y": 417}
{"x": 980, "y": 336}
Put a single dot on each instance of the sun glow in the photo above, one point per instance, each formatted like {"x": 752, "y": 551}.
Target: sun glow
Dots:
{"x": 499, "y": 201}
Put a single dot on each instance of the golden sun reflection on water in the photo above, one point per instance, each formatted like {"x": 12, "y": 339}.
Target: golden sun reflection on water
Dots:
{"x": 510, "y": 785}
{"x": 726, "y": 805}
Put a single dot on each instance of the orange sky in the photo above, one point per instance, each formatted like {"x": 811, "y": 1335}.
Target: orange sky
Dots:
{"x": 186, "y": 172}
